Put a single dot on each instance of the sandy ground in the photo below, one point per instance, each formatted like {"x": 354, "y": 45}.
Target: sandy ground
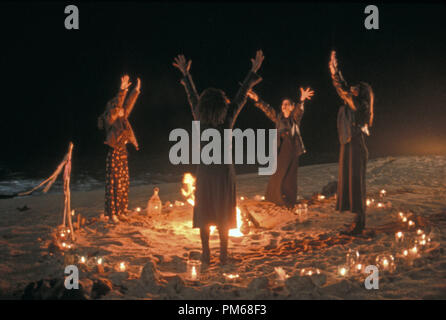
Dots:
{"x": 155, "y": 249}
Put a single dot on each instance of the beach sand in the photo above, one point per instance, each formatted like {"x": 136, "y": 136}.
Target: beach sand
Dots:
{"x": 155, "y": 249}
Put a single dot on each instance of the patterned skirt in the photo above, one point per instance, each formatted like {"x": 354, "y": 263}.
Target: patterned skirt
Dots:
{"x": 117, "y": 181}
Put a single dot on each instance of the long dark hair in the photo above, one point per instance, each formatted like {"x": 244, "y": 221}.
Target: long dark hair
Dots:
{"x": 213, "y": 106}
{"x": 366, "y": 93}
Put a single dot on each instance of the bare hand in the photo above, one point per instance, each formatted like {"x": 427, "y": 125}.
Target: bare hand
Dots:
{"x": 138, "y": 84}
{"x": 252, "y": 95}
{"x": 125, "y": 84}
{"x": 257, "y": 62}
{"x": 181, "y": 63}
{"x": 306, "y": 94}
{"x": 333, "y": 65}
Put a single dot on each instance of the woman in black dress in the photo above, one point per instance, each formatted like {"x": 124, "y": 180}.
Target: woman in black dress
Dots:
{"x": 215, "y": 193}
{"x": 282, "y": 186}
{"x": 354, "y": 119}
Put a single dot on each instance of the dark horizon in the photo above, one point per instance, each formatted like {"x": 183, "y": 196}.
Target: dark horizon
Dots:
{"x": 58, "y": 81}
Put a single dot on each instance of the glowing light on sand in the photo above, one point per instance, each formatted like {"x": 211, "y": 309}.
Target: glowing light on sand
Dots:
{"x": 189, "y": 190}
{"x": 236, "y": 232}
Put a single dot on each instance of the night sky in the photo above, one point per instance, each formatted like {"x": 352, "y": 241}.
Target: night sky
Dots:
{"x": 56, "y": 82}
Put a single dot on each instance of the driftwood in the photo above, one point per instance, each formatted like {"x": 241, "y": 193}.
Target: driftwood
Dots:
{"x": 66, "y": 165}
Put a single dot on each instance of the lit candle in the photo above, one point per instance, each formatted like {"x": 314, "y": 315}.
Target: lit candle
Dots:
{"x": 410, "y": 223}
{"x": 382, "y": 193}
{"x": 380, "y": 205}
{"x": 404, "y": 219}
{"x": 405, "y": 253}
{"x": 385, "y": 263}
{"x": 368, "y": 202}
{"x": 122, "y": 267}
{"x": 321, "y": 197}
{"x": 414, "y": 250}
{"x": 343, "y": 271}
{"x": 82, "y": 259}
{"x": 419, "y": 232}
{"x": 193, "y": 274}
{"x": 99, "y": 260}
{"x": 399, "y": 236}
{"x": 242, "y": 198}
{"x": 138, "y": 209}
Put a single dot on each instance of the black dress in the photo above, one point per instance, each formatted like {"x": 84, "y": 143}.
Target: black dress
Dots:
{"x": 282, "y": 186}
{"x": 353, "y": 119}
{"x": 215, "y": 193}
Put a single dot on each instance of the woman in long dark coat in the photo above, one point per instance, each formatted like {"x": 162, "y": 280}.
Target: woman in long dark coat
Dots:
{"x": 215, "y": 193}
{"x": 282, "y": 186}
{"x": 118, "y": 133}
{"x": 354, "y": 119}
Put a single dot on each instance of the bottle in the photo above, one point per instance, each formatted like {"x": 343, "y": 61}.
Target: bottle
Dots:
{"x": 154, "y": 204}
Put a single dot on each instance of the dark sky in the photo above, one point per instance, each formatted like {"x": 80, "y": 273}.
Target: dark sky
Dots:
{"x": 55, "y": 82}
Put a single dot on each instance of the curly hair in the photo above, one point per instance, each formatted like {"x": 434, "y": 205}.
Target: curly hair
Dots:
{"x": 366, "y": 93}
{"x": 213, "y": 106}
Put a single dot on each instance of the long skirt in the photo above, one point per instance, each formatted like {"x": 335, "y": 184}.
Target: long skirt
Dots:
{"x": 352, "y": 176}
{"x": 282, "y": 186}
{"x": 215, "y": 197}
{"x": 117, "y": 182}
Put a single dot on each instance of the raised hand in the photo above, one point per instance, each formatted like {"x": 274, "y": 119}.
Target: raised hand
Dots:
{"x": 306, "y": 94}
{"x": 252, "y": 95}
{"x": 125, "y": 84}
{"x": 333, "y": 64}
{"x": 138, "y": 84}
{"x": 181, "y": 63}
{"x": 257, "y": 62}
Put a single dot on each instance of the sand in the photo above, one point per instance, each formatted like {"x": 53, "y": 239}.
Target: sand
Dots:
{"x": 155, "y": 249}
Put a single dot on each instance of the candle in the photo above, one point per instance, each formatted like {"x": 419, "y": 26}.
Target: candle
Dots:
{"x": 419, "y": 232}
{"x": 342, "y": 271}
{"x": 399, "y": 237}
{"x": 242, "y": 198}
{"x": 193, "y": 275}
{"x": 382, "y": 193}
{"x": 385, "y": 263}
{"x": 368, "y": 202}
{"x": 404, "y": 219}
{"x": 263, "y": 197}
{"x": 122, "y": 267}
{"x": 321, "y": 197}
{"x": 380, "y": 205}
{"x": 232, "y": 277}
{"x": 414, "y": 250}
{"x": 359, "y": 267}
{"x": 138, "y": 209}
{"x": 99, "y": 260}
{"x": 405, "y": 253}
{"x": 82, "y": 259}
{"x": 411, "y": 223}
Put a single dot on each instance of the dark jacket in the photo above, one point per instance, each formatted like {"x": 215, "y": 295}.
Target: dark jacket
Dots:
{"x": 118, "y": 131}
{"x": 290, "y": 125}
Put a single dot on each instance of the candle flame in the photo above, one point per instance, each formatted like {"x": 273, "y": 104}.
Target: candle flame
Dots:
{"x": 236, "y": 232}
{"x": 189, "y": 190}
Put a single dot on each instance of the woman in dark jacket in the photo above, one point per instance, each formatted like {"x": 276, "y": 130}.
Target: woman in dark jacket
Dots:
{"x": 118, "y": 133}
{"x": 282, "y": 186}
{"x": 215, "y": 193}
{"x": 354, "y": 119}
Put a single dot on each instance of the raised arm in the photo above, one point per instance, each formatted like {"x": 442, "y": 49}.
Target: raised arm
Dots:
{"x": 130, "y": 101}
{"x": 338, "y": 81}
{"x": 250, "y": 81}
{"x": 298, "y": 111}
{"x": 125, "y": 84}
{"x": 183, "y": 65}
{"x": 262, "y": 105}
